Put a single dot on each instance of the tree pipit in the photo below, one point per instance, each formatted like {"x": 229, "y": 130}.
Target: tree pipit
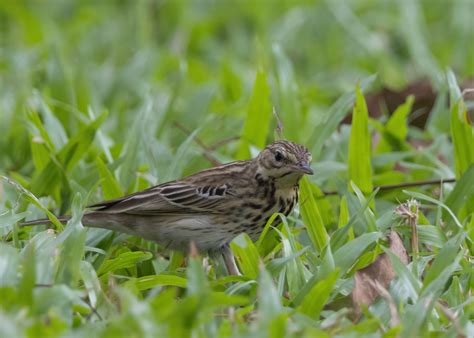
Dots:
{"x": 210, "y": 207}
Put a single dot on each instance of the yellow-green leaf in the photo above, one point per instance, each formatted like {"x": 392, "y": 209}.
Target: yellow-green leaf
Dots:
{"x": 110, "y": 186}
{"x": 360, "y": 168}
{"x": 312, "y": 216}
{"x": 258, "y": 114}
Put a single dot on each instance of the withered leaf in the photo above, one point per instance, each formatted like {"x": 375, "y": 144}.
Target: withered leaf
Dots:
{"x": 379, "y": 273}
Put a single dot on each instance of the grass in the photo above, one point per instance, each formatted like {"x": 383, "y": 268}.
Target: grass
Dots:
{"x": 102, "y": 99}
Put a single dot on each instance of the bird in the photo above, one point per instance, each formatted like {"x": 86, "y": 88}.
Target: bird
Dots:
{"x": 211, "y": 207}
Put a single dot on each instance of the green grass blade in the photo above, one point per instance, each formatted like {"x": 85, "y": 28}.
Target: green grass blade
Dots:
{"x": 246, "y": 254}
{"x": 149, "y": 282}
{"x": 347, "y": 254}
{"x": 423, "y": 197}
{"x": 408, "y": 280}
{"x": 27, "y": 195}
{"x": 462, "y": 133}
{"x": 312, "y": 216}
{"x": 258, "y": 115}
{"x": 124, "y": 260}
{"x": 360, "y": 168}
{"x": 396, "y": 128}
{"x": 10, "y": 260}
{"x": 28, "y": 278}
{"x": 110, "y": 186}
{"x": 445, "y": 258}
{"x": 269, "y": 303}
{"x": 462, "y": 196}
{"x": 335, "y": 114}
{"x": 319, "y": 295}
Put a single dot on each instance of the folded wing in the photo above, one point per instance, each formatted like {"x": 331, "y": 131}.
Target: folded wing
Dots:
{"x": 172, "y": 198}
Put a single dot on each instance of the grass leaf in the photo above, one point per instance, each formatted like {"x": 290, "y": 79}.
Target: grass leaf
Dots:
{"x": 110, "y": 185}
{"x": 462, "y": 132}
{"x": 257, "y": 121}
{"x": 312, "y": 216}
{"x": 360, "y": 169}
{"x": 319, "y": 295}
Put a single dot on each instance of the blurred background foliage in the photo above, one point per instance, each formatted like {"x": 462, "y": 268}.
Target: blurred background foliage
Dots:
{"x": 98, "y": 99}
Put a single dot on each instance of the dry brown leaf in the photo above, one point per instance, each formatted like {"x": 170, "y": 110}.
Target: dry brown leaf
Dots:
{"x": 388, "y": 99}
{"x": 379, "y": 273}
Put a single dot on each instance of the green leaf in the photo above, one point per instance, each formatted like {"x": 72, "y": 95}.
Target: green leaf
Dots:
{"x": 343, "y": 212}
{"x": 368, "y": 213}
{"x": 124, "y": 260}
{"x": 79, "y": 144}
{"x": 324, "y": 205}
{"x": 35, "y": 119}
{"x": 347, "y": 254}
{"x": 257, "y": 121}
{"x": 339, "y": 236}
{"x": 149, "y": 282}
{"x": 470, "y": 234}
{"x": 312, "y": 216}
{"x": 396, "y": 129}
{"x": 219, "y": 299}
{"x": 197, "y": 284}
{"x": 423, "y": 197}
{"x": 133, "y": 145}
{"x": 277, "y": 264}
{"x": 397, "y": 124}
{"x": 27, "y": 195}
{"x": 269, "y": 304}
{"x": 445, "y": 257}
{"x": 344, "y": 217}
{"x": 408, "y": 280}
{"x": 327, "y": 266}
{"x": 7, "y": 219}
{"x": 360, "y": 169}
{"x": 333, "y": 117}
{"x": 9, "y": 264}
{"x": 71, "y": 255}
{"x": 431, "y": 235}
{"x": 289, "y": 102}
{"x": 463, "y": 193}
{"x": 318, "y": 296}
{"x": 91, "y": 282}
{"x": 28, "y": 278}
{"x": 415, "y": 317}
{"x": 462, "y": 132}
{"x": 294, "y": 269}
{"x": 39, "y": 153}
{"x": 110, "y": 186}
{"x": 54, "y": 172}
{"x": 246, "y": 254}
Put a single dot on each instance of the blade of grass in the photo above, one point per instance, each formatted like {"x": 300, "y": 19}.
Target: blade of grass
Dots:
{"x": 423, "y": 197}
{"x": 462, "y": 133}
{"x": 258, "y": 114}
{"x": 110, "y": 186}
{"x": 334, "y": 116}
{"x": 247, "y": 255}
{"x": 360, "y": 168}
{"x": 312, "y": 216}
{"x": 462, "y": 196}
{"x": 347, "y": 254}
{"x": 319, "y": 295}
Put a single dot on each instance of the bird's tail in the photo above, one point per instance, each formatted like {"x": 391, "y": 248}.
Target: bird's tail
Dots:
{"x": 62, "y": 219}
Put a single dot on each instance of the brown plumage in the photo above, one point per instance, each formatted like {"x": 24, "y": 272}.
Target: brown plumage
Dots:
{"x": 210, "y": 207}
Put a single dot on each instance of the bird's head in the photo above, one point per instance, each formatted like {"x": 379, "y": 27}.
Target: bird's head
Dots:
{"x": 284, "y": 161}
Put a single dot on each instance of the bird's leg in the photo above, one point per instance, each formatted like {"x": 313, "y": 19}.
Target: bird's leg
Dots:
{"x": 229, "y": 261}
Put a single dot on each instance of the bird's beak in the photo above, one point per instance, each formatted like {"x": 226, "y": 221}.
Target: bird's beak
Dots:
{"x": 305, "y": 168}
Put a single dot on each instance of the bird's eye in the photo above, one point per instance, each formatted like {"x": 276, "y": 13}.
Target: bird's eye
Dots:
{"x": 278, "y": 156}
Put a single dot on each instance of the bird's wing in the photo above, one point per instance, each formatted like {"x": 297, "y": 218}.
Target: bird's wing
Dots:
{"x": 170, "y": 198}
